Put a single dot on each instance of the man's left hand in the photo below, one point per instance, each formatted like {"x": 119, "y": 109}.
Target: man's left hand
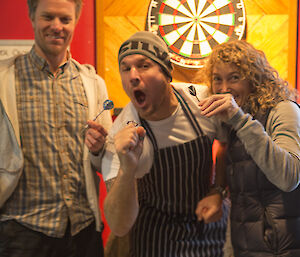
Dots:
{"x": 209, "y": 209}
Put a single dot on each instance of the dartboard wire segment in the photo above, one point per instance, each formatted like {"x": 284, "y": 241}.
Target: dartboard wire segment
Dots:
{"x": 191, "y": 28}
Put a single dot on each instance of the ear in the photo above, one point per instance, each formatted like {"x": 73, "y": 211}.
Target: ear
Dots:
{"x": 32, "y": 21}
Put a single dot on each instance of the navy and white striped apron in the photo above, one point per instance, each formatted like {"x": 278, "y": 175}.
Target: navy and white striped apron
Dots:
{"x": 168, "y": 195}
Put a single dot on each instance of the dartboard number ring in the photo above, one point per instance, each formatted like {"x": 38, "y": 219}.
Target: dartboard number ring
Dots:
{"x": 191, "y": 28}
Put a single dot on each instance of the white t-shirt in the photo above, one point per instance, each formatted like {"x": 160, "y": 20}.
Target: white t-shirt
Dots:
{"x": 173, "y": 130}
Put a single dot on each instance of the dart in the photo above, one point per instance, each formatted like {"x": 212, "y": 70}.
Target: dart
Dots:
{"x": 107, "y": 105}
{"x": 192, "y": 91}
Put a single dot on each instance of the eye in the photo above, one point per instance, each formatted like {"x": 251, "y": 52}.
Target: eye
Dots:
{"x": 144, "y": 66}
{"x": 216, "y": 79}
{"x": 65, "y": 20}
{"x": 48, "y": 17}
{"x": 124, "y": 68}
{"x": 235, "y": 78}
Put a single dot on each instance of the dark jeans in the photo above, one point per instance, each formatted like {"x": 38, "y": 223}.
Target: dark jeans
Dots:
{"x": 19, "y": 241}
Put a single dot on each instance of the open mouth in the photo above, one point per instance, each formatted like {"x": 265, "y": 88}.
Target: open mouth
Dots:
{"x": 140, "y": 96}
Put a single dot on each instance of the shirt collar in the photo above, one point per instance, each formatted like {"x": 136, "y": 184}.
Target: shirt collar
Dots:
{"x": 43, "y": 65}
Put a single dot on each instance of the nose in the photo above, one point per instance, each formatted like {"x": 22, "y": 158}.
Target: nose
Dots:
{"x": 56, "y": 24}
{"x": 223, "y": 88}
{"x": 134, "y": 76}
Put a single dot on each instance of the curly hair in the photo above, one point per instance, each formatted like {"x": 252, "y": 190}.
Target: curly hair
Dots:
{"x": 267, "y": 88}
{"x": 32, "y": 5}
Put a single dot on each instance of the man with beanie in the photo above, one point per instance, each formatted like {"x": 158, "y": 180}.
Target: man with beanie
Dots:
{"x": 158, "y": 160}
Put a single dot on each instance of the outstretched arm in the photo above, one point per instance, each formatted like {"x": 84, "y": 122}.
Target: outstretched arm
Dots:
{"x": 121, "y": 203}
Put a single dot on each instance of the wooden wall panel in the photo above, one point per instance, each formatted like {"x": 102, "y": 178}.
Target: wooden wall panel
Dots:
{"x": 269, "y": 28}
{"x": 267, "y": 7}
{"x": 118, "y": 29}
{"x": 293, "y": 42}
{"x": 273, "y": 41}
{"x": 125, "y": 8}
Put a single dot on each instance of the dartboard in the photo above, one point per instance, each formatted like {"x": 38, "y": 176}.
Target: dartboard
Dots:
{"x": 191, "y": 28}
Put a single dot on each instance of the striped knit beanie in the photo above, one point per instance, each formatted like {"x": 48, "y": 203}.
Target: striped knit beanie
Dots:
{"x": 148, "y": 44}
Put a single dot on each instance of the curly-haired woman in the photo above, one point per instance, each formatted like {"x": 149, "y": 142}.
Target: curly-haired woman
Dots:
{"x": 258, "y": 111}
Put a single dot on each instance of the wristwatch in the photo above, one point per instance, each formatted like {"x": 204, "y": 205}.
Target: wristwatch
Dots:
{"x": 218, "y": 189}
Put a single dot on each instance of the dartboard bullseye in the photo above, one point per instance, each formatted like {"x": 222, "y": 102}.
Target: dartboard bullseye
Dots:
{"x": 191, "y": 28}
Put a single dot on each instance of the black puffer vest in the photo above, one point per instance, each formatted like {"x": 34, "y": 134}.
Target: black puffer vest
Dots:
{"x": 265, "y": 221}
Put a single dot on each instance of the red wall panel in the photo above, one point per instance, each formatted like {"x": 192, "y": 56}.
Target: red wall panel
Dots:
{"x": 15, "y": 24}
{"x": 83, "y": 44}
{"x": 14, "y": 20}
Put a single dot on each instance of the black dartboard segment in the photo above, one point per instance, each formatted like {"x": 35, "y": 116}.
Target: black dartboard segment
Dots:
{"x": 191, "y": 28}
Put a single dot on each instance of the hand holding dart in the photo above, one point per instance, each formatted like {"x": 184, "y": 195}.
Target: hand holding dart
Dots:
{"x": 107, "y": 105}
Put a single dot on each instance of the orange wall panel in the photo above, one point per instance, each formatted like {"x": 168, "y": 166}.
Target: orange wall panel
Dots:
{"x": 270, "y": 28}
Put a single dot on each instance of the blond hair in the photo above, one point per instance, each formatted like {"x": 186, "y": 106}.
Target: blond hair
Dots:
{"x": 32, "y": 5}
{"x": 267, "y": 87}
